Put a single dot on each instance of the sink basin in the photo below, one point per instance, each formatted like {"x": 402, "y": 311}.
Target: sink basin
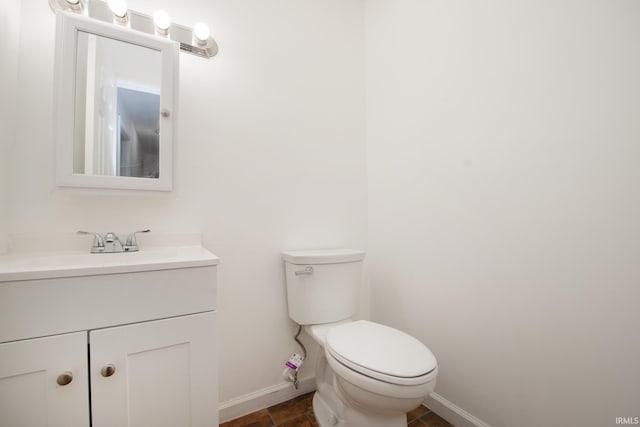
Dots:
{"x": 29, "y": 266}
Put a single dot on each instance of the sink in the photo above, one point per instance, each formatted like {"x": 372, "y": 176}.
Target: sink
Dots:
{"x": 28, "y": 266}
{"x": 94, "y": 338}
{"x": 75, "y": 290}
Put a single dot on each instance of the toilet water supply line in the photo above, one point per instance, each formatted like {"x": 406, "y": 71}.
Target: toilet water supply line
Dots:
{"x": 295, "y": 361}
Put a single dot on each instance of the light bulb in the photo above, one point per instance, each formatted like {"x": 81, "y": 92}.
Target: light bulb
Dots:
{"x": 162, "y": 21}
{"x": 201, "y": 32}
{"x": 74, "y": 5}
{"x": 118, "y": 7}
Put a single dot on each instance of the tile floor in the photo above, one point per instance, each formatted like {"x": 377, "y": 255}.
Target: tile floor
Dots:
{"x": 298, "y": 412}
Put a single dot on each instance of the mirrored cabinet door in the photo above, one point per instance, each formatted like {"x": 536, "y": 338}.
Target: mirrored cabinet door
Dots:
{"x": 116, "y": 106}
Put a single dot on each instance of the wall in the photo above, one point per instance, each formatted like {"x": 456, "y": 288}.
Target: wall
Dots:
{"x": 9, "y": 33}
{"x": 271, "y": 156}
{"x": 502, "y": 144}
{"x": 502, "y": 148}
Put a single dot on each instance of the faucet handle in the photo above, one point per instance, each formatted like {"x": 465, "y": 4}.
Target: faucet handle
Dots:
{"x": 98, "y": 241}
{"x": 131, "y": 245}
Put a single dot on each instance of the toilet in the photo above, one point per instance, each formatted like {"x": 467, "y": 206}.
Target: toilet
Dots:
{"x": 367, "y": 374}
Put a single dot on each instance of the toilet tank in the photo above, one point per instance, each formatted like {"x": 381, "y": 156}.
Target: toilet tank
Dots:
{"x": 322, "y": 285}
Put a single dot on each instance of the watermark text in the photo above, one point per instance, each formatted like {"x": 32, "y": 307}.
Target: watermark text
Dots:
{"x": 628, "y": 420}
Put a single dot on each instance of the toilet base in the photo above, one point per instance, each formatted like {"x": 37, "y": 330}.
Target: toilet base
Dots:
{"x": 325, "y": 414}
{"x": 328, "y": 416}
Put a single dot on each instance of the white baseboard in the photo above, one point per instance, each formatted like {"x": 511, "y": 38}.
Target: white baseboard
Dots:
{"x": 243, "y": 405}
{"x": 452, "y": 413}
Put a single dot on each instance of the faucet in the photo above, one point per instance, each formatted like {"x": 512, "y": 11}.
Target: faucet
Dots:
{"x": 110, "y": 243}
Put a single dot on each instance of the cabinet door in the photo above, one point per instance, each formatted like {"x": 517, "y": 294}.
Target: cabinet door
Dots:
{"x": 44, "y": 382}
{"x": 161, "y": 374}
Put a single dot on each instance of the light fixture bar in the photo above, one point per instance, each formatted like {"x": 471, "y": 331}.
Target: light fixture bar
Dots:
{"x": 98, "y": 9}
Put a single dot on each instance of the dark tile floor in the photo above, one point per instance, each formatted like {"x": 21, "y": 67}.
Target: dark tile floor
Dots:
{"x": 298, "y": 412}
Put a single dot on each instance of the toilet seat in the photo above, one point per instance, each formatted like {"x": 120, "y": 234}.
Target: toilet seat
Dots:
{"x": 381, "y": 352}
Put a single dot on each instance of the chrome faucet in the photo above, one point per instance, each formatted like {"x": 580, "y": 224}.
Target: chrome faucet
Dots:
{"x": 110, "y": 243}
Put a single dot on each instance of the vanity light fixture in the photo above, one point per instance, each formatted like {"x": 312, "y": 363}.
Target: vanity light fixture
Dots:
{"x": 162, "y": 20}
{"x": 119, "y": 10}
{"x": 196, "y": 41}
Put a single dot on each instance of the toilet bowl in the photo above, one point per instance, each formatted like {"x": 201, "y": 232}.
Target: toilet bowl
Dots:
{"x": 367, "y": 374}
{"x": 378, "y": 373}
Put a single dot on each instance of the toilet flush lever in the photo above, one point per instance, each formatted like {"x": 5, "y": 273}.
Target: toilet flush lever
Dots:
{"x": 308, "y": 270}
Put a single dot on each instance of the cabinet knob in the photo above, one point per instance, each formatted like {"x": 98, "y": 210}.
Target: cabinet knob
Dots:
{"x": 64, "y": 378}
{"x": 108, "y": 370}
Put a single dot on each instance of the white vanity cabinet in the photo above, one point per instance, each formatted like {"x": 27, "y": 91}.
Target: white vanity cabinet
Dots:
{"x": 114, "y": 349}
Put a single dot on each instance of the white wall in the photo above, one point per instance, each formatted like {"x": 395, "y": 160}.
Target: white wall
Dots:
{"x": 10, "y": 36}
{"x": 501, "y": 149}
{"x": 503, "y": 153}
{"x": 271, "y": 156}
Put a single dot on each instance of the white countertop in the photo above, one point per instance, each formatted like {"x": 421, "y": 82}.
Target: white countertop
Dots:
{"x": 32, "y": 265}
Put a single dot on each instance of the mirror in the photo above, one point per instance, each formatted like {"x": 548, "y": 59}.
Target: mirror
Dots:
{"x": 117, "y": 108}
{"x": 115, "y": 95}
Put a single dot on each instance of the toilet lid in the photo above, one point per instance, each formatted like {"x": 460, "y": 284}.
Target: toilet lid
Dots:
{"x": 380, "y": 352}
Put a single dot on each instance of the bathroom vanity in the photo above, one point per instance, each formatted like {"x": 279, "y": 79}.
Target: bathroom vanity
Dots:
{"x": 109, "y": 340}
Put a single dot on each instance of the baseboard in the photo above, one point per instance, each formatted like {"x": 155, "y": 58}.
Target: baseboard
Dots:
{"x": 452, "y": 413}
{"x": 243, "y": 405}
